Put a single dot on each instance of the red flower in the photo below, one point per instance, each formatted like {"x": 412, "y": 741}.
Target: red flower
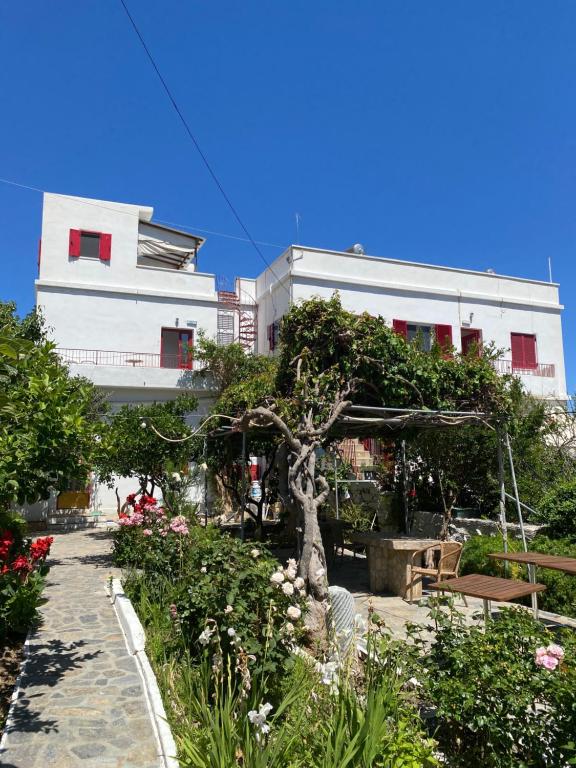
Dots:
{"x": 5, "y": 569}
{"x": 40, "y": 548}
{"x": 131, "y": 498}
{"x": 21, "y": 565}
{"x": 6, "y": 541}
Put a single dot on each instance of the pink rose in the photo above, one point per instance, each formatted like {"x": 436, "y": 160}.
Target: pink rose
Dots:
{"x": 555, "y": 650}
{"x": 549, "y": 662}
{"x": 147, "y": 532}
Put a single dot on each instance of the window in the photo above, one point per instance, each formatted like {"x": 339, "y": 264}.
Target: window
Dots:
{"x": 176, "y": 348}
{"x": 471, "y": 339}
{"x": 425, "y": 334}
{"x": 523, "y": 351}
{"x": 273, "y": 335}
{"x": 90, "y": 245}
{"x": 421, "y": 332}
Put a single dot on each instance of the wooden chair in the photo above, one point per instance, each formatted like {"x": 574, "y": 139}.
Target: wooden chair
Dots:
{"x": 450, "y": 553}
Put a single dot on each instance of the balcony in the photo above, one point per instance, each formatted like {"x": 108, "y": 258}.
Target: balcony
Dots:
{"x": 128, "y": 359}
{"x": 546, "y": 370}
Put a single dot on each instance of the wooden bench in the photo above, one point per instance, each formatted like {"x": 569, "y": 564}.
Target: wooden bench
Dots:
{"x": 489, "y": 588}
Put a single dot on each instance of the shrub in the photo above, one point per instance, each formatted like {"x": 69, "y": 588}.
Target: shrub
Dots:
{"x": 500, "y": 703}
{"x": 150, "y": 540}
{"x": 356, "y": 515}
{"x": 558, "y": 511}
{"x": 218, "y": 590}
{"x": 23, "y": 567}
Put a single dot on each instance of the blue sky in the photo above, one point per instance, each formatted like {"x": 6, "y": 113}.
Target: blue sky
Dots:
{"x": 431, "y": 130}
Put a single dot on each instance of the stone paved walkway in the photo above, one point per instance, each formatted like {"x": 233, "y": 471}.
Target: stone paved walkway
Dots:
{"x": 82, "y": 702}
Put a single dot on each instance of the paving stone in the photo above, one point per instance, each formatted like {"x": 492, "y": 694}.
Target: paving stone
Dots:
{"x": 82, "y": 700}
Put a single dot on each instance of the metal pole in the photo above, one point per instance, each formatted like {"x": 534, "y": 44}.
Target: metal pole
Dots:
{"x": 404, "y": 482}
{"x": 205, "y": 452}
{"x": 336, "y": 487}
{"x": 243, "y": 486}
{"x": 531, "y": 567}
{"x": 516, "y": 497}
{"x": 502, "y": 485}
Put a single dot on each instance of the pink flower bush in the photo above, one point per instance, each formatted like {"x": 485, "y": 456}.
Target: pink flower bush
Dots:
{"x": 549, "y": 657}
{"x": 179, "y": 524}
{"x": 146, "y": 514}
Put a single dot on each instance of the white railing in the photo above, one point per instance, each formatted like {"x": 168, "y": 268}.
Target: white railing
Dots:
{"x": 540, "y": 369}
{"x": 133, "y": 359}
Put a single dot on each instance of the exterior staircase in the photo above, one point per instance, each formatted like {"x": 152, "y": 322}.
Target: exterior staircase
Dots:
{"x": 354, "y": 452}
{"x": 73, "y": 519}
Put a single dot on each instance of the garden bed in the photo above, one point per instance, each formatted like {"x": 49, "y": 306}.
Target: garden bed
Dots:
{"x": 11, "y": 656}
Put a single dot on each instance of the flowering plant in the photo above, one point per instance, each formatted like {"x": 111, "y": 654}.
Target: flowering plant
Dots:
{"x": 148, "y": 537}
{"x": 22, "y": 571}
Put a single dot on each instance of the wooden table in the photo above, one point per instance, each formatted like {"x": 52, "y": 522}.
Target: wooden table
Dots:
{"x": 532, "y": 559}
{"x": 556, "y": 562}
{"x": 489, "y": 588}
{"x": 389, "y": 561}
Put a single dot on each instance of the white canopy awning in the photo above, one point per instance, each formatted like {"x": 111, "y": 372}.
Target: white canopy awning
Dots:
{"x": 162, "y": 251}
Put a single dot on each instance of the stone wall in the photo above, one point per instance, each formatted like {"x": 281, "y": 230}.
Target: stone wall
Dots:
{"x": 427, "y": 525}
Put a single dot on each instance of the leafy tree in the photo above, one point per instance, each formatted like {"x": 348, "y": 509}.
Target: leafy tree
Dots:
{"x": 330, "y": 359}
{"x": 241, "y": 380}
{"x": 48, "y": 419}
{"x": 130, "y": 447}
{"x": 461, "y": 466}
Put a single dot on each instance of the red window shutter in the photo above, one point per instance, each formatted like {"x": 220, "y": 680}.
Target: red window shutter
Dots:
{"x": 74, "y": 243}
{"x": 530, "y": 350}
{"x": 523, "y": 351}
{"x": 105, "y": 247}
{"x": 444, "y": 337}
{"x": 401, "y": 327}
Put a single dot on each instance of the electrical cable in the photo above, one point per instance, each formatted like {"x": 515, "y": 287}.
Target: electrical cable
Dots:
{"x": 191, "y": 227}
{"x": 196, "y": 144}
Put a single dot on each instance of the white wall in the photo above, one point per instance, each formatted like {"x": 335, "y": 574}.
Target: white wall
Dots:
{"x": 425, "y": 294}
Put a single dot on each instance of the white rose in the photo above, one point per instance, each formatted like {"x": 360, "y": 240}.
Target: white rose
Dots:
{"x": 203, "y": 569}
{"x": 255, "y": 552}
{"x": 228, "y": 609}
{"x": 277, "y": 577}
{"x": 287, "y": 588}
{"x": 299, "y": 583}
{"x": 294, "y": 612}
{"x": 231, "y": 632}
{"x": 289, "y": 627}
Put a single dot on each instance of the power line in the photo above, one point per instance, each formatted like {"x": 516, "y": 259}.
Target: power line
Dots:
{"x": 195, "y": 142}
{"x": 93, "y": 204}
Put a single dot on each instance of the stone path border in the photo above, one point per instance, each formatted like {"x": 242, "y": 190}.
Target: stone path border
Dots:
{"x": 81, "y": 699}
{"x": 136, "y": 641}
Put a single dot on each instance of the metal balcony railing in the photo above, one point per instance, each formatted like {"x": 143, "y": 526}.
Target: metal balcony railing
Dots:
{"x": 130, "y": 359}
{"x": 540, "y": 369}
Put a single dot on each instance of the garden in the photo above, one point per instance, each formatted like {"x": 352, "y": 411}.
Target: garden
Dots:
{"x": 242, "y": 634}
{"x": 241, "y": 624}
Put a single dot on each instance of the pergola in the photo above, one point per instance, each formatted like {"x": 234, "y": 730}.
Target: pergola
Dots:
{"x": 358, "y": 421}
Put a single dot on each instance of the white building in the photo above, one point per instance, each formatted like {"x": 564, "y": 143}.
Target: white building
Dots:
{"x": 125, "y": 301}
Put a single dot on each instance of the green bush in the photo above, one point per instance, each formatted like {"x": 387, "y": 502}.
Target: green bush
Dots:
{"x": 356, "y": 515}
{"x": 558, "y": 511}
{"x": 218, "y": 590}
{"x": 496, "y": 706}
{"x": 560, "y": 594}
